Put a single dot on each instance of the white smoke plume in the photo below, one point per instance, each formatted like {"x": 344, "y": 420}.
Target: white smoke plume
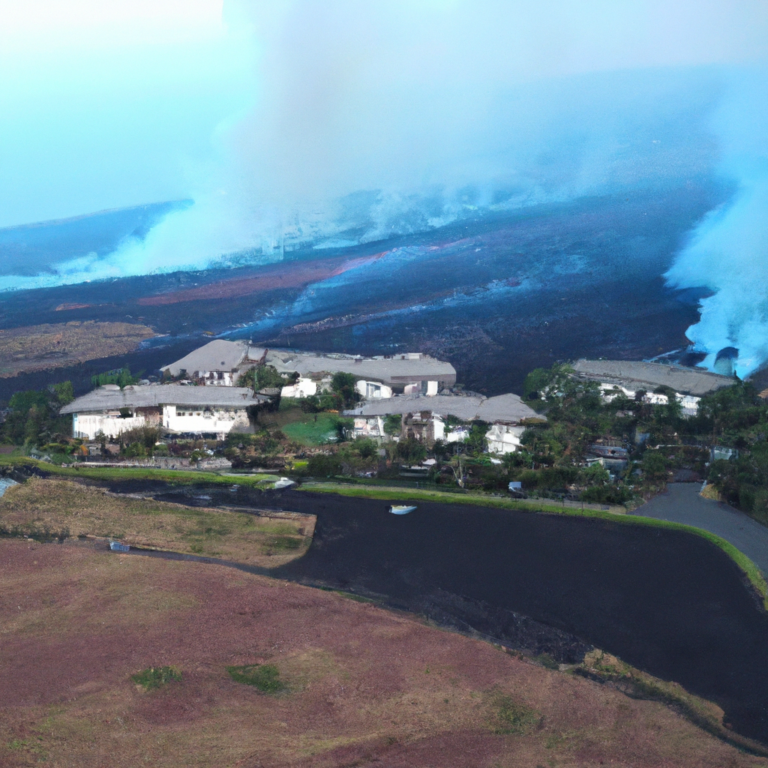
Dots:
{"x": 372, "y": 119}
{"x": 728, "y": 252}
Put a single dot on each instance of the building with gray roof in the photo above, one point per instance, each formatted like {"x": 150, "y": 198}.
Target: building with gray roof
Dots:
{"x": 413, "y": 369}
{"x": 174, "y": 408}
{"x": 636, "y": 375}
{"x": 215, "y": 363}
{"x": 503, "y": 408}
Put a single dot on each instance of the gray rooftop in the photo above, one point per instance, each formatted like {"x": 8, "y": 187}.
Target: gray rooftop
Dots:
{"x": 639, "y": 375}
{"x": 394, "y": 370}
{"x": 218, "y": 355}
{"x": 508, "y": 408}
{"x": 111, "y": 397}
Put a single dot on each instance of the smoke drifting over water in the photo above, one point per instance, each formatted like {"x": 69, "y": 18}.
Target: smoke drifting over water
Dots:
{"x": 728, "y": 252}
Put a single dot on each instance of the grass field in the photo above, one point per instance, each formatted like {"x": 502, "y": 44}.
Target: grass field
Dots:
{"x": 61, "y": 506}
{"x": 316, "y": 429}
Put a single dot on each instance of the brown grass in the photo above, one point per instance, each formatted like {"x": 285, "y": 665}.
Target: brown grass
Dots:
{"x": 363, "y": 686}
{"x": 78, "y": 510}
{"x": 40, "y": 347}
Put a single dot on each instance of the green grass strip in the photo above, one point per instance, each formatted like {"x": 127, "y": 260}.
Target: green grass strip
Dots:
{"x": 398, "y": 494}
{"x": 187, "y": 477}
{"x": 751, "y": 571}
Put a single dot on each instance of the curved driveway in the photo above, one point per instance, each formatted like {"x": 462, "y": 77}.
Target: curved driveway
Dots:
{"x": 681, "y": 503}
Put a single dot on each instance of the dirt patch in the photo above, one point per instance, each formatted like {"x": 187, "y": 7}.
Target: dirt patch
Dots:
{"x": 363, "y": 686}
{"x": 40, "y": 347}
{"x": 287, "y": 275}
{"x": 61, "y": 507}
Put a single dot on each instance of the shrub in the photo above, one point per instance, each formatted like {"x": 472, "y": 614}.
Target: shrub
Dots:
{"x": 511, "y": 717}
{"x": 343, "y": 385}
{"x": 156, "y": 677}
{"x": 264, "y": 677}
{"x": 324, "y": 466}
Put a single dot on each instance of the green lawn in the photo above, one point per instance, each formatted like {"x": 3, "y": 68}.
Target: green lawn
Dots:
{"x": 315, "y": 429}
{"x": 188, "y": 477}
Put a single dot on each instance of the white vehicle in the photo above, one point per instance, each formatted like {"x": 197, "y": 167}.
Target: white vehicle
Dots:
{"x": 400, "y": 509}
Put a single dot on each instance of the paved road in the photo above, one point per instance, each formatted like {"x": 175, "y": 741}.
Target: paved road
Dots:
{"x": 681, "y": 503}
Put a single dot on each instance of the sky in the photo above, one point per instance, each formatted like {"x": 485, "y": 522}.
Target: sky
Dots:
{"x": 112, "y": 104}
{"x": 109, "y": 104}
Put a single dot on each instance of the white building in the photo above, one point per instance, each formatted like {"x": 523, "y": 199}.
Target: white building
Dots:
{"x": 171, "y": 407}
{"x": 507, "y": 414}
{"x": 503, "y": 438}
{"x": 369, "y": 426}
{"x": 301, "y": 389}
{"x": 378, "y": 377}
{"x": 631, "y": 377}
{"x": 374, "y": 390}
{"x": 457, "y": 435}
{"x": 688, "y": 403}
{"x": 216, "y": 364}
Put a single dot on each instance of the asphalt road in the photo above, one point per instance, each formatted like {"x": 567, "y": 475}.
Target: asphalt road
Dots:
{"x": 681, "y": 503}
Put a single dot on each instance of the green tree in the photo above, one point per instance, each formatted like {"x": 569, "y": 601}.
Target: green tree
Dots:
{"x": 393, "y": 424}
{"x": 343, "y": 384}
{"x": 654, "y": 465}
{"x": 595, "y": 475}
{"x": 64, "y": 392}
{"x": 411, "y": 451}
{"x": 120, "y": 376}
{"x": 324, "y": 465}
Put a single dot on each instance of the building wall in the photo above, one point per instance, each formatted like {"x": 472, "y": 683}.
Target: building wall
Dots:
{"x": 373, "y": 390}
{"x": 503, "y": 438}
{"x": 369, "y": 426}
{"x": 174, "y": 419}
{"x": 200, "y": 419}
{"x": 215, "y": 378}
{"x": 689, "y": 403}
{"x": 457, "y": 435}
{"x": 88, "y": 425}
{"x": 301, "y": 389}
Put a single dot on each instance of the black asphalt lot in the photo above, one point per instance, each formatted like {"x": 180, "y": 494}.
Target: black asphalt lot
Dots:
{"x": 681, "y": 503}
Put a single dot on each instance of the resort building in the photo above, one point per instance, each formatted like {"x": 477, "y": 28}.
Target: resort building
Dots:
{"x": 173, "y": 408}
{"x": 630, "y": 377}
{"x": 423, "y": 417}
{"x": 379, "y": 377}
{"x": 220, "y": 363}
{"x": 217, "y": 364}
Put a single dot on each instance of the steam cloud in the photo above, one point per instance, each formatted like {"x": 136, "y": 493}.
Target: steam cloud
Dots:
{"x": 728, "y": 252}
{"x": 374, "y": 119}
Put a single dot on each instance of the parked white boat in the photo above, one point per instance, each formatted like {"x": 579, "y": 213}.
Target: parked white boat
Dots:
{"x": 283, "y": 482}
{"x": 400, "y": 509}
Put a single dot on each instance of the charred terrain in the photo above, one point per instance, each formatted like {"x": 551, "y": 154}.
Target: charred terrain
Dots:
{"x": 496, "y": 296}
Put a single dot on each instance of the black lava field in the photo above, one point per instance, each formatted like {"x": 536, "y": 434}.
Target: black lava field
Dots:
{"x": 667, "y": 602}
{"x": 497, "y": 296}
